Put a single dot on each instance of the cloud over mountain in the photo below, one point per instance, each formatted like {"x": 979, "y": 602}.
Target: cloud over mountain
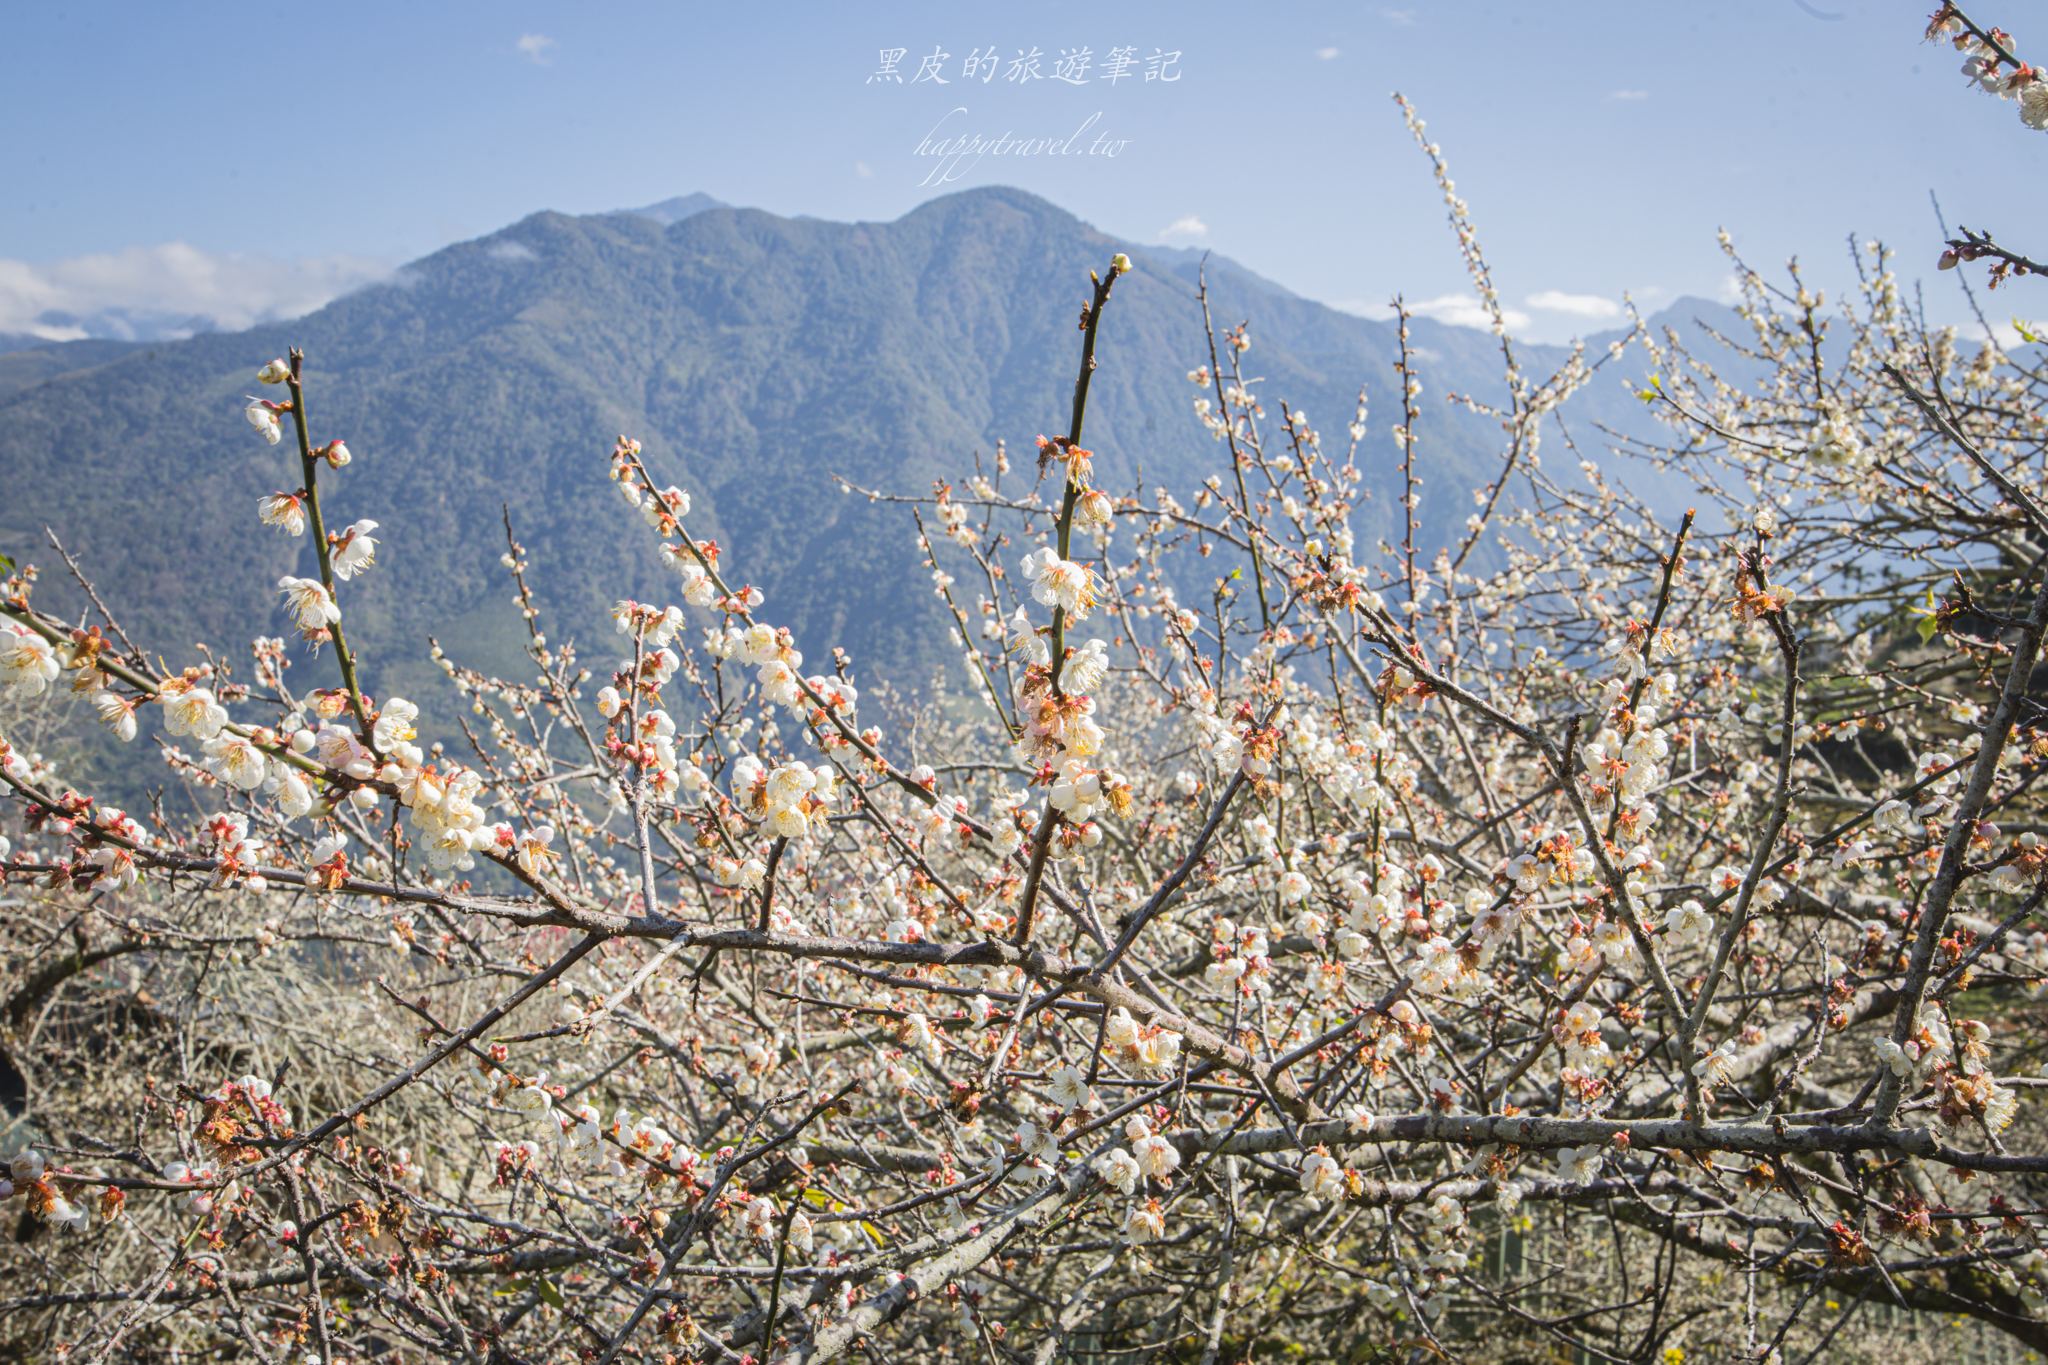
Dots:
{"x": 148, "y": 293}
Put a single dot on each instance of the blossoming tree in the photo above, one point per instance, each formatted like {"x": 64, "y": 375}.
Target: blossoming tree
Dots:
{"x": 1614, "y": 929}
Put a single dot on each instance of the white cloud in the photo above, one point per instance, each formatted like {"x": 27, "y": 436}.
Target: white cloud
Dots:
{"x": 863, "y": 170}
{"x": 1187, "y": 226}
{"x": 2006, "y": 334}
{"x": 1464, "y": 310}
{"x": 1628, "y": 96}
{"x": 537, "y": 48}
{"x": 1578, "y": 305}
{"x": 1328, "y": 54}
{"x": 510, "y": 251}
{"x": 170, "y": 290}
{"x": 1399, "y": 18}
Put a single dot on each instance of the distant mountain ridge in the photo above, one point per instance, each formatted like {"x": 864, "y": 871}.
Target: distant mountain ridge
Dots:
{"x": 28, "y": 361}
{"x": 134, "y": 324}
{"x": 754, "y": 355}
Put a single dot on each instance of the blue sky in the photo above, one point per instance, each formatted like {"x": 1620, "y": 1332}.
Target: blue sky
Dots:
{"x": 232, "y": 161}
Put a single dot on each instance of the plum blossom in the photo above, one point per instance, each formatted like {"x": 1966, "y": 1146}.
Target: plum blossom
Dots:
{"x": 262, "y": 415}
{"x": 533, "y": 851}
{"x": 28, "y": 664}
{"x": 309, "y": 602}
{"x": 1070, "y": 1089}
{"x": 1321, "y": 1176}
{"x": 1145, "y": 1222}
{"x": 237, "y": 761}
{"x": 192, "y": 711}
{"x": 1157, "y": 1157}
{"x": 1063, "y": 583}
{"x": 354, "y": 550}
{"x": 115, "y": 712}
{"x": 1688, "y": 922}
{"x": 1717, "y": 1068}
{"x": 1118, "y": 1169}
{"x": 283, "y": 510}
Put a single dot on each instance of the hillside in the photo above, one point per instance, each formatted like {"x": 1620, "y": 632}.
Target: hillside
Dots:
{"x": 28, "y": 361}
{"x": 753, "y": 355}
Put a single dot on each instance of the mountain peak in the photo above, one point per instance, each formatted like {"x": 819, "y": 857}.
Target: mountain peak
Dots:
{"x": 982, "y": 198}
{"x": 670, "y": 211}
